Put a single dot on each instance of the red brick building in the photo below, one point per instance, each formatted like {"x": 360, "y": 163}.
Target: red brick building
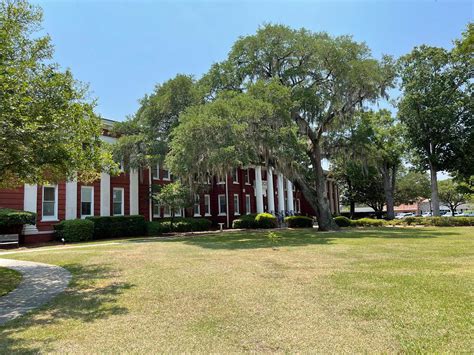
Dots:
{"x": 244, "y": 191}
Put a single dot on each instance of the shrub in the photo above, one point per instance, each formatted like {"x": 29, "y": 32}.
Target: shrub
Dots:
{"x": 342, "y": 221}
{"x": 76, "y": 230}
{"x": 245, "y": 222}
{"x": 451, "y": 221}
{"x": 299, "y": 222}
{"x": 118, "y": 226}
{"x": 266, "y": 220}
{"x": 367, "y": 222}
{"x": 10, "y": 218}
{"x": 179, "y": 225}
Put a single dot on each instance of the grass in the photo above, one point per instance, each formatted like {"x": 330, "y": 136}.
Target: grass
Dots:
{"x": 365, "y": 290}
{"x": 9, "y": 280}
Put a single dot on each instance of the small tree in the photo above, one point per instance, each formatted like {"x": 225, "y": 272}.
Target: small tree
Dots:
{"x": 175, "y": 196}
{"x": 452, "y": 195}
{"x": 411, "y": 187}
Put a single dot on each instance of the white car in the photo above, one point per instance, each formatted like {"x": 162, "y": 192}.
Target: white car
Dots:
{"x": 404, "y": 215}
{"x": 427, "y": 214}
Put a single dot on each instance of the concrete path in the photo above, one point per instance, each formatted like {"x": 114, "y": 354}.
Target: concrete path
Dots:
{"x": 40, "y": 283}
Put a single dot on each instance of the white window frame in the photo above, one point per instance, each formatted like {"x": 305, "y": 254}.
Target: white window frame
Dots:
{"x": 247, "y": 177}
{"x": 248, "y": 204}
{"x": 166, "y": 211}
{"x": 236, "y": 172}
{"x": 180, "y": 211}
{"x": 219, "y": 205}
{"x": 166, "y": 177}
{"x": 197, "y": 202}
{"x": 220, "y": 180}
{"x": 122, "y": 204}
{"x": 207, "y": 205}
{"x": 159, "y": 210}
{"x": 156, "y": 171}
{"x": 91, "y": 188}
{"x": 297, "y": 205}
{"x": 55, "y": 217}
{"x": 236, "y": 210}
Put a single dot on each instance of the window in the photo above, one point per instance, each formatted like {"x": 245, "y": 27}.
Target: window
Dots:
{"x": 117, "y": 199}
{"x": 220, "y": 179}
{"x": 222, "y": 205}
{"x": 197, "y": 206}
{"x": 247, "y": 176}
{"x": 235, "y": 176}
{"x": 87, "y": 201}
{"x": 155, "y": 172}
{"x": 166, "y": 174}
{"x": 207, "y": 205}
{"x": 248, "y": 206}
{"x": 236, "y": 205}
{"x": 179, "y": 213}
{"x": 166, "y": 211}
{"x": 50, "y": 203}
{"x": 156, "y": 210}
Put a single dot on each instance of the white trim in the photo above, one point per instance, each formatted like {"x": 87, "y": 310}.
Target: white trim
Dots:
{"x": 249, "y": 204}
{"x": 259, "y": 189}
{"x": 156, "y": 170}
{"x": 123, "y": 201}
{"x": 30, "y": 197}
{"x": 236, "y": 182}
{"x": 168, "y": 178}
{"x": 198, "y": 203}
{"x": 134, "y": 191}
{"x": 92, "y": 201}
{"x": 219, "y": 205}
{"x": 71, "y": 200}
{"x": 270, "y": 191}
{"x": 236, "y": 213}
{"x": 247, "y": 177}
{"x": 50, "y": 218}
{"x": 153, "y": 210}
{"x": 104, "y": 194}
{"x": 208, "y": 198}
{"x": 165, "y": 208}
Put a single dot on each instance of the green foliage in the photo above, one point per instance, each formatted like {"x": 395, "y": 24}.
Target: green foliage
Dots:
{"x": 266, "y": 220}
{"x": 76, "y": 230}
{"x": 367, "y": 222}
{"x": 256, "y": 221}
{"x": 299, "y": 222}
{"x": 10, "y": 217}
{"x": 175, "y": 196}
{"x": 342, "y": 221}
{"x": 49, "y": 132}
{"x": 453, "y": 194}
{"x": 179, "y": 225}
{"x": 439, "y": 221}
{"x": 118, "y": 226}
{"x": 411, "y": 187}
{"x": 273, "y": 238}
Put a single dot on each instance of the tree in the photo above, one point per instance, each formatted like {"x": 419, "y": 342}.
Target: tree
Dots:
{"x": 326, "y": 79}
{"x": 411, "y": 187}
{"x": 361, "y": 183}
{"x": 452, "y": 195}
{"x": 48, "y": 129}
{"x": 175, "y": 196}
{"x": 144, "y": 136}
{"x": 437, "y": 109}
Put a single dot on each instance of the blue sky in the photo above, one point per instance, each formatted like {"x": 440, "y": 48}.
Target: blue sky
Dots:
{"x": 123, "y": 48}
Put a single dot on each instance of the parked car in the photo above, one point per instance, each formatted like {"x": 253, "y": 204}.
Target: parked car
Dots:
{"x": 404, "y": 215}
{"x": 427, "y": 214}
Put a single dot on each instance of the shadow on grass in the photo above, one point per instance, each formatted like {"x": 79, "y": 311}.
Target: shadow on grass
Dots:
{"x": 90, "y": 296}
{"x": 302, "y": 237}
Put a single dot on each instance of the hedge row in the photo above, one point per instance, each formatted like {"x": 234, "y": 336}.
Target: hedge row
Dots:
{"x": 179, "y": 225}
{"x": 76, "y": 230}
{"x": 256, "y": 221}
{"x": 299, "y": 222}
{"x": 342, "y": 221}
{"x": 10, "y": 217}
{"x": 118, "y": 226}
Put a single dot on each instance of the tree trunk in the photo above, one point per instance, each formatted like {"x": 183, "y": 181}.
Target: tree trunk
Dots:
{"x": 352, "y": 209}
{"x": 434, "y": 191}
{"x": 389, "y": 188}
{"x": 319, "y": 200}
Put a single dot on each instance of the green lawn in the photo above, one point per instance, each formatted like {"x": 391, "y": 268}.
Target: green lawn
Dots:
{"x": 9, "y": 280}
{"x": 373, "y": 290}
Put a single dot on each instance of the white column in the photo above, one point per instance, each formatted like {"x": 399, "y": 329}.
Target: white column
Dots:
{"x": 259, "y": 188}
{"x": 330, "y": 196}
{"x": 30, "y": 199}
{"x": 71, "y": 200}
{"x": 270, "y": 192}
{"x": 133, "y": 192}
{"x": 104, "y": 194}
{"x": 281, "y": 194}
{"x": 289, "y": 191}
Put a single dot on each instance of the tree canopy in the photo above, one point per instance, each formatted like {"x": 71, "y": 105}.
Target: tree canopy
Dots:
{"x": 48, "y": 129}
